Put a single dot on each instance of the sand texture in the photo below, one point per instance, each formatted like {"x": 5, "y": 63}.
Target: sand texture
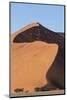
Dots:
{"x": 37, "y": 59}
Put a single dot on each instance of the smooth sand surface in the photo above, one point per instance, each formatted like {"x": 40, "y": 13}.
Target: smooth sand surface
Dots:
{"x": 30, "y": 63}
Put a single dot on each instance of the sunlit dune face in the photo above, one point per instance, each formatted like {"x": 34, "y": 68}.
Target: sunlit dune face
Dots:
{"x": 30, "y": 63}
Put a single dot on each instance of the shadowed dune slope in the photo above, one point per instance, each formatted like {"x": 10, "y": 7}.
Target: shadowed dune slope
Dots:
{"x": 37, "y": 32}
{"x": 37, "y": 58}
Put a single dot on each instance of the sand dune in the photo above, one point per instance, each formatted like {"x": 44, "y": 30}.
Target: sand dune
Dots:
{"x": 30, "y": 64}
{"x": 37, "y": 58}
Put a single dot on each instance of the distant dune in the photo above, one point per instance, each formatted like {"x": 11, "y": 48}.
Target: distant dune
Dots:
{"x": 37, "y": 59}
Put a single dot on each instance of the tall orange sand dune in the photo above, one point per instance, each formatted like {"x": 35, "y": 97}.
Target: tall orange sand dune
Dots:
{"x": 35, "y": 55}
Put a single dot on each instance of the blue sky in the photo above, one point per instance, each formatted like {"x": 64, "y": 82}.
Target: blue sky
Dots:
{"x": 50, "y": 16}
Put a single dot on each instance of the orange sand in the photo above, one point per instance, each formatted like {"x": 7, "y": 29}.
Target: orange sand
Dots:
{"x": 30, "y": 63}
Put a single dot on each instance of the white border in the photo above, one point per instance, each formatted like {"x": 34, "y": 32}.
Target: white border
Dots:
{"x": 4, "y": 49}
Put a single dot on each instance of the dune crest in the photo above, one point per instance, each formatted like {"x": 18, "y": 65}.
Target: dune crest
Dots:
{"x": 35, "y": 55}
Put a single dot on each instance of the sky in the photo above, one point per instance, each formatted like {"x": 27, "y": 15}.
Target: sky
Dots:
{"x": 50, "y": 16}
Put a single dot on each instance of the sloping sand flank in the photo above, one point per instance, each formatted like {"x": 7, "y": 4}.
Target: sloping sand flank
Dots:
{"x": 30, "y": 63}
{"x": 37, "y": 60}
{"x": 24, "y": 29}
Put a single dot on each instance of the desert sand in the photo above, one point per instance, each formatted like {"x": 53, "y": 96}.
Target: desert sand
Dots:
{"x": 32, "y": 55}
{"x": 30, "y": 63}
